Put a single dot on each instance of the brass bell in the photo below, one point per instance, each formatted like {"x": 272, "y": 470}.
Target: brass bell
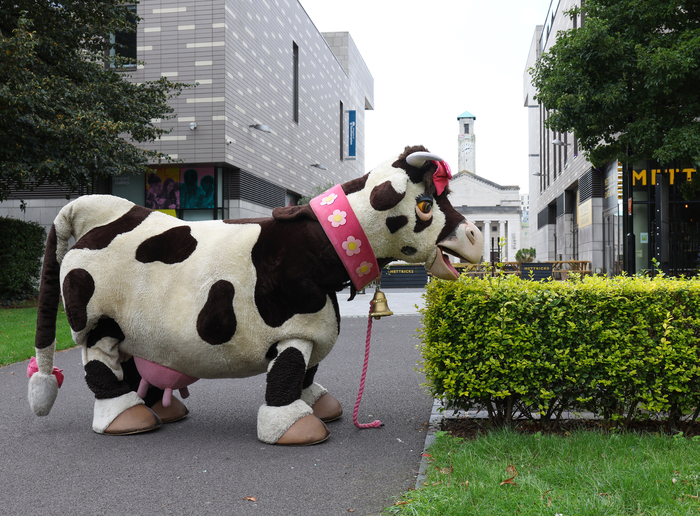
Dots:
{"x": 379, "y": 305}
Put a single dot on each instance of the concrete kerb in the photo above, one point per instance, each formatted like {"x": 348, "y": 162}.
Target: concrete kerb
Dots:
{"x": 436, "y": 416}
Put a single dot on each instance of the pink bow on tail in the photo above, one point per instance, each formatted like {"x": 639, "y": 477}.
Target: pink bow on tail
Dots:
{"x": 34, "y": 368}
{"x": 442, "y": 176}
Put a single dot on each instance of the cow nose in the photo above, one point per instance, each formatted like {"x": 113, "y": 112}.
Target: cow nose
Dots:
{"x": 471, "y": 234}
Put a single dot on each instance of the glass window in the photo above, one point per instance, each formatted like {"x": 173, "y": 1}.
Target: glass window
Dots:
{"x": 340, "y": 130}
{"x": 123, "y": 44}
{"x": 295, "y": 80}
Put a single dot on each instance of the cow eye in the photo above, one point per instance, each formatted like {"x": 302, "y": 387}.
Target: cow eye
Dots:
{"x": 424, "y": 208}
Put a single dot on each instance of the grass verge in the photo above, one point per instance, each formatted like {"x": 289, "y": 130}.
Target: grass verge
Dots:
{"x": 17, "y": 330}
{"x": 587, "y": 472}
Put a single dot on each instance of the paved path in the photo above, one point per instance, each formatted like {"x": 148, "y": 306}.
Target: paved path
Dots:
{"x": 208, "y": 463}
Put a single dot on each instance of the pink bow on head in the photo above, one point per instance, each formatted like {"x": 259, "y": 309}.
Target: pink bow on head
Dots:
{"x": 442, "y": 176}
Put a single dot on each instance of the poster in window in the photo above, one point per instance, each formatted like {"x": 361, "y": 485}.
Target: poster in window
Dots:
{"x": 197, "y": 187}
{"x": 163, "y": 189}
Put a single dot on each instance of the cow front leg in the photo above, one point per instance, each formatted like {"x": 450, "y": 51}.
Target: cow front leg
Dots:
{"x": 324, "y": 406}
{"x": 285, "y": 418}
{"x": 118, "y": 409}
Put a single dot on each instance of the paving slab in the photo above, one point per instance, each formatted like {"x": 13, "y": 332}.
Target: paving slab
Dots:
{"x": 401, "y": 301}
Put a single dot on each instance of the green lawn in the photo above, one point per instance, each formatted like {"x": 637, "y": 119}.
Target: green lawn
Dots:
{"x": 17, "y": 330}
{"x": 586, "y": 473}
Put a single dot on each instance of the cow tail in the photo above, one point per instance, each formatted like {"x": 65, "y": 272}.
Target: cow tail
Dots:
{"x": 43, "y": 384}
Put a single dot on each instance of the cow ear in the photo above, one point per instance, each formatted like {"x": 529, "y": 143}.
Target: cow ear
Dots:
{"x": 293, "y": 213}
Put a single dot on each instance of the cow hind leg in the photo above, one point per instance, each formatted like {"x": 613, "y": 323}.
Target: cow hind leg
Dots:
{"x": 118, "y": 409}
{"x": 324, "y": 406}
{"x": 286, "y": 419}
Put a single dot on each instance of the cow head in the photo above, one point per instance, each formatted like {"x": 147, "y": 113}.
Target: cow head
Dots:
{"x": 406, "y": 216}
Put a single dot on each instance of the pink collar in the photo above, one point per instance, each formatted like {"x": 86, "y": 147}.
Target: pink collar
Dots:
{"x": 347, "y": 236}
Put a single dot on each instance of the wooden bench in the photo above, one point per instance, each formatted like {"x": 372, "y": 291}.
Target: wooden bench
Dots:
{"x": 560, "y": 269}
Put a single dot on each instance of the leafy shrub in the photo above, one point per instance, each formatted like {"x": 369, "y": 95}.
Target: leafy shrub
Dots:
{"x": 624, "y": 348}
{"x": 20, "y": 258}
{"x": 526, "y": 254}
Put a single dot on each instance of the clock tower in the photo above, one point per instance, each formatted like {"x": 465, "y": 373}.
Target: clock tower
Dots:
{"x": 466, "y": 143}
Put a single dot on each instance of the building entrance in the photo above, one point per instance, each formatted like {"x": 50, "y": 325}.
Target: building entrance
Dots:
{"x": 666, "y": 224}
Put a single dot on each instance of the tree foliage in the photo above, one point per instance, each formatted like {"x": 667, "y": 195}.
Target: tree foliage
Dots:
{"x": 526, "y": 254}
{"x": 67, "y": 110}
{"x": 21, "y": 258}
{"x": 627, "y": 81}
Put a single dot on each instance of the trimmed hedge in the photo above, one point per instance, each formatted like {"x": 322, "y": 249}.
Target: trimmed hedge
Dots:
{"x": 21, "y": 249}
{"x": 624, "y": 348}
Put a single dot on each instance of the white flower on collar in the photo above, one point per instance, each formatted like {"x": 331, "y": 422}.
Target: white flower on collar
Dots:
{"x": 337, "y": 218}
{"x": 352, "y": 246}
{"x": 363, "y": 269}
{"x": 329, "y": 199}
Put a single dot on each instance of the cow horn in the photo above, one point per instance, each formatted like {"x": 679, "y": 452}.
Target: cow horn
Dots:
{"x": 418, "y": 159}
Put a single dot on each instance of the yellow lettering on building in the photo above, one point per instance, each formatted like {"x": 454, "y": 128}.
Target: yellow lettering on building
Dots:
{"x": 585, "y": 213}
{"x": 639, "y": 175}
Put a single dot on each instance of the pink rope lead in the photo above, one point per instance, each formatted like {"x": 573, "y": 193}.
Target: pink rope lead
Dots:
{"x": 376, "y": 423}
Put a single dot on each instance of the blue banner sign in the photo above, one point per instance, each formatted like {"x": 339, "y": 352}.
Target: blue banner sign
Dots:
{"x": 352, "y": 136}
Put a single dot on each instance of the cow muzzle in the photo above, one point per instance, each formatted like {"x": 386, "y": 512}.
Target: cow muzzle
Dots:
{"x": 465, "y": 242}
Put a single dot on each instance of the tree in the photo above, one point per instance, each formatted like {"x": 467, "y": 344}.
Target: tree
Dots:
{"x": 67, "y": 110}
{"x": 626, "y": 82}
{"x": 526, "y": 254}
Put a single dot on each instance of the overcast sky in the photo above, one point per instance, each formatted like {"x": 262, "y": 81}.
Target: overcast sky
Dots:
{"x": 433, "y": 60}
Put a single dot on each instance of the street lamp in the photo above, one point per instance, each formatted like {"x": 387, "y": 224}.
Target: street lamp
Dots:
{"x": 557, "y": 141}
{"x": 261, "y": 127}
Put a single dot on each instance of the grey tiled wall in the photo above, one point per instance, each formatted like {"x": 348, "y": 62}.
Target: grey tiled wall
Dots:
{"x": 240, "y": 52}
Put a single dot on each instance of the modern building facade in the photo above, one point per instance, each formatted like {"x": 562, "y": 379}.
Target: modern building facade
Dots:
{"x": 279, "y": 108}
{"x": 560, "y": 178}
{"x": 578, "y": 211}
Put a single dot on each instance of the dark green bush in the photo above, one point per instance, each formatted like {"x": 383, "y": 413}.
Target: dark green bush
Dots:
{"x": 21, "y": 249}
{"x": 526, "y": 254}
{"x": 623, "y": 348}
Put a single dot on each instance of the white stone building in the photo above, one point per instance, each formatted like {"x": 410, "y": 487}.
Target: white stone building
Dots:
{"x": 493, "y": 208}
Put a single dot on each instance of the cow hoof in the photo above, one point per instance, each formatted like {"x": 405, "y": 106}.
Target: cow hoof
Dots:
{"x": 174, "y": 412}
{"x": 327, "y": 408}
{"x": 306, "y": 431}
{"x": 134, "y": 420}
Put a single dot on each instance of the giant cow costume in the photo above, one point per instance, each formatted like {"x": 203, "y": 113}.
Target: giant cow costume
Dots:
{"x": 234, "y": 298}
